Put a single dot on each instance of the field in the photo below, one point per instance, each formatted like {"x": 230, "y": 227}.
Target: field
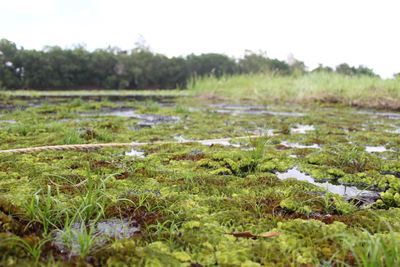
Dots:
{"x": 242, "y": 171}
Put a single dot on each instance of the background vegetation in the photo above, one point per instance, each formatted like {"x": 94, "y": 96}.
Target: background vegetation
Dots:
{"x": 140, "y": 68}
{"x": 349, "y": 90}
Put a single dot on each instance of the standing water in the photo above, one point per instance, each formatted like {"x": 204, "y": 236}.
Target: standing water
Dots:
{"x": 349, "y": 192}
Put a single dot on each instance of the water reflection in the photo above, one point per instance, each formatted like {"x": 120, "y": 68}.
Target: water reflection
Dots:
{"x": 346, "y": 191}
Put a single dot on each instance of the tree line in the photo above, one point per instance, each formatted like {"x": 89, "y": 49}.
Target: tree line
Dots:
{"x": 140, "y": 68}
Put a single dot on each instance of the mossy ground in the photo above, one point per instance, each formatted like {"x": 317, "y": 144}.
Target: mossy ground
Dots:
{"x": 194, "y": 202}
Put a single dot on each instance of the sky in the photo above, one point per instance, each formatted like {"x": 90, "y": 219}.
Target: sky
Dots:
{"x": 358, "y": 32}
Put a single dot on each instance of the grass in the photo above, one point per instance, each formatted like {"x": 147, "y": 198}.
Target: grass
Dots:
{"x": 32, "y": 247}
{"x": 360, "y": 91}
{"x": 42, "y": 209}
{"x": 82, "y": 239}
{"x": 92, "y": 203}
{"x": 351, "y": 159}
{"x": 376, "y": 250}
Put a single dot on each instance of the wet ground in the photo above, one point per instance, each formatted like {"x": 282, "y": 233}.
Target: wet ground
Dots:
{"x": 222, "y": 168}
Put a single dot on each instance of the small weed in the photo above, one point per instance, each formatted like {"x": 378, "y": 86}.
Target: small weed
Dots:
{"x": 352, "y": 159}
{"x": 376, "y": 250}
{"x": 32, "y": 246}
{"x": 166, "y": 230}
{"x": 42, "y": 208}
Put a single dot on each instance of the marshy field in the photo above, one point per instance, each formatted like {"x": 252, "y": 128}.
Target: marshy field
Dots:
{"x": 251, "y": 170}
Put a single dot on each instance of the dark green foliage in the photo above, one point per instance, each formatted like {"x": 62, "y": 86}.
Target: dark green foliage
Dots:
{"x": 211, "y": 64}
{"x": 10, "y": 66}
{"x": 322, "y": 68}
{"x": 140, "y": 68}
{"x": 345, "y": 69}
{"x": 256, "y": 63}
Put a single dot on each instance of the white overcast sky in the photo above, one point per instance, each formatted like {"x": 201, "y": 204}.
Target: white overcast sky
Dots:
{"x": 316, "y": 31}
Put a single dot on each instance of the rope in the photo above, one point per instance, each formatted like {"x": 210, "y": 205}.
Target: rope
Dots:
{"x": 87, "y": 147}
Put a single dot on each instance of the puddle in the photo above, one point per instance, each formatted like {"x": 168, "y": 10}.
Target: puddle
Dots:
{"x": 375, "y": 114}
{"x": 68, "y": 242}
{"x": 120, "y": 113}
{"x": 263, "y": 132}
{"x": 135, "y": 153}
{"x": 5, "y": 107}
{"x": 192, "y": 109}
{"x": 283, "y": 113}
{"x": 302, "y": 129}
{"x": 67, "y": 120}
{"x": 147, "y": 120}
{"x": 222, "y": 142}
{"x": 376, "y": 149}
{"x": 268, "y": 132}
{"x": 62, "y": 97}
{"x": 207, "y": 142}
{"x": 252, "y": 110}
{"x": 181, "y": 139}
{"x": 117, "y": 228}
{"x": 297, "y": 145}
{"x": 8, "y": 121}
{"x": 156, "y": 192}
{"x": 239, "y": 107}
{"x": 394, "y": 173}
{"x": 348, "y": 192}
{"x": 396, "y": 131}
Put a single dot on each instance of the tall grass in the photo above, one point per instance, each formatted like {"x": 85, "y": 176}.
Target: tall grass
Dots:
{"x": 42, "y": 208}
{"x": 377, "y": 250}
{"x": 363, "y": 91}
{"x": 33, "y": 247}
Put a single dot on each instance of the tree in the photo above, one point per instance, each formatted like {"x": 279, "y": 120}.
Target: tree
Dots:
{"x": 76, "y": 68}
{"x": 254, "y": 63}
{"x": 102, "y": 65}
{"x": 211, "y": 64}
{"x": 363, "y": 70}
{"x": 322, "y": 68}
{"x": 345, "y": 69}
{"x": 11, "y": 70}
{"x": 297, "y": 67}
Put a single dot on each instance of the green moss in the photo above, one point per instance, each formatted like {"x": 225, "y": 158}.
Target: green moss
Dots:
{"x": 296, "y": 206}
{"x": 189, "y": 198}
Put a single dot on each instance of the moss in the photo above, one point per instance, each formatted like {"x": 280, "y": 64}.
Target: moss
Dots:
{"x": 275, "y": 164}
{"x": 293, "y": 205}
{"x": 189, "y": 198}
{"x": 336, "y": 172}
